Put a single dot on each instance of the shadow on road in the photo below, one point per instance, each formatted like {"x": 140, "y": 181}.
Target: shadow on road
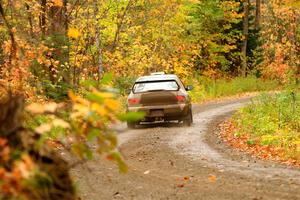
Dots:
{"x": 159, "y": 124}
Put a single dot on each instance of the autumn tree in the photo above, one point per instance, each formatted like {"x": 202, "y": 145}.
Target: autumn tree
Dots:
{"x": 215, "y": 26}
{"x": 136, "y": 37}
{"x": 280, "y": 40}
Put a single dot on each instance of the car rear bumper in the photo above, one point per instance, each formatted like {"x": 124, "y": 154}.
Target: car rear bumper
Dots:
{"x": 170, "y": 112}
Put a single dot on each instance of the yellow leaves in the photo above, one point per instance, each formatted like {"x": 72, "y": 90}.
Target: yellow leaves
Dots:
{"x": 79, "y": 110}
{"x": 60, "y": 123}
{"x": 6, "y": 46}
{"x": 91, "y": 116}
{"x": 55, "y": 122}
{"x": 44, "y": 128}
{"x": 80, "y": 106}
{"x": 4, "y": 95}
{"x": 292, "y": 3}
{"x": 298, "y": 150}
{"x": 103, "y": 104}
{"x": 103, "y": 94}
{"x": 112, "y": 104}
{"x": 36, "y": 108}
{"x": 72, "y": 96}
{"x": 57, "y": 3}
{"x": 50, "y": 109}
{"x": 78, "y": 99}
{"x": 228, "y": 48}
{"x": 73, "y": 33}
{"x": 99, "y": 109}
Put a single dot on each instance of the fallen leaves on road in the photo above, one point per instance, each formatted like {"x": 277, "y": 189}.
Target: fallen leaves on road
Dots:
{"x": 212, "y": 178}
{"x": 241, "y": 142}
{"x": 182, "y": 181}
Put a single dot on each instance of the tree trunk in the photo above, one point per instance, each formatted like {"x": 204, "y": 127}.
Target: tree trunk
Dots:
{"x": 98, "y": 40}
{"x": 246, "y": 6}
{"x": 43, "y": 17}
{"x": 119, "y": 26}
{"x": 257, "y": 14}
{"x": 13, "y": 49}
{"x": 29, "y": 17}
{"x": 67, "y": 74}
{"x": 57, "y": 30}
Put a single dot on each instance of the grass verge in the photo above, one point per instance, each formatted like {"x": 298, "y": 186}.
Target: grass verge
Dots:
{"x": 208, "y": 89}
{"x": 269, "y": 127}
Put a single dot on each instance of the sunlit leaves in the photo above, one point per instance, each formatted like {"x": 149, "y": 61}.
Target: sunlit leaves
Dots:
{"x": 73, "y": 33}
{"x": 88, "y": 120}
{"x": 144, "y": 44}
{"x": 58, "y": 3}
{"x": 36, "y": 108}
{"x": 292, "y": 3}
{"x": 131, "y": 116}
{"x": 107, "y": 79}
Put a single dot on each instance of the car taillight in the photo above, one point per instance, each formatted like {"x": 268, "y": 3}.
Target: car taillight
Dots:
{"x": 133, "y": 101}
{"x": 180, "y": 98}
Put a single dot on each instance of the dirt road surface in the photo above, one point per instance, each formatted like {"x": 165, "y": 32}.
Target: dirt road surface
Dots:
{"x": 169, "y": 161}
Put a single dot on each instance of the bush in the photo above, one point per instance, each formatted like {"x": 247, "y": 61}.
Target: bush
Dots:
{"x": 124, "y": 84}
{"x": 57, "y": 91}
{"x": 273, "y": 120}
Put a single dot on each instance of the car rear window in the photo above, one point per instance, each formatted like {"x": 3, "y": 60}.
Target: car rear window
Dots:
{"x": 155, "y": 86}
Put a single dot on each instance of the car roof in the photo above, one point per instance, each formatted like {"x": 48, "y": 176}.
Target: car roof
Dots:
{"x": 160, "y": 77}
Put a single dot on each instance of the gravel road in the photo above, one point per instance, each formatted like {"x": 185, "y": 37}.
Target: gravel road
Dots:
{"x": 169, "y": 161}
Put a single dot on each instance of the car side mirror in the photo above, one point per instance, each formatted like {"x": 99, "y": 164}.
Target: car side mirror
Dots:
{"x": 189, "y": 88}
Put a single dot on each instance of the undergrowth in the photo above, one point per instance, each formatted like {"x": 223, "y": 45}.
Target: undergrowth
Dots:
{"x": 206, "y": 88}
{"x": 274, "y": 121}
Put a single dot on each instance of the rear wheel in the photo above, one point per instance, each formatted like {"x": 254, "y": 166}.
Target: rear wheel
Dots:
{"x": 188, "y": 120}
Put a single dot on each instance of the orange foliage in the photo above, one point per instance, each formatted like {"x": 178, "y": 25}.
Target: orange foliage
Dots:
{"x": 279, "y": 35}
{"x": 241, "y": 142}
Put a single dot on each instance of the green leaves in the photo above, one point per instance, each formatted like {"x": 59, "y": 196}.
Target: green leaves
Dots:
{"x": 82, "y": 150}
{"x": 89, "y": 83}
{"x": 213, "y": 25}
{"x": 132, "y": 116}
{"x": 115, "y": 156}
{"x": 273, "y": 122}
{"x": 94, "y": 98}
{"x": 107, "y": 79}
{"x": 89, "y": 120}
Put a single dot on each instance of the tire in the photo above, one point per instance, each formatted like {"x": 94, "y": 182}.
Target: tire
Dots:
{"x": 188, "y": 120}
{"x": 131, "y": 125}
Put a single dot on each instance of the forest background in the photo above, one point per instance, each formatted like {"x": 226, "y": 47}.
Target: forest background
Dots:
{"x": 52, "y": 47}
